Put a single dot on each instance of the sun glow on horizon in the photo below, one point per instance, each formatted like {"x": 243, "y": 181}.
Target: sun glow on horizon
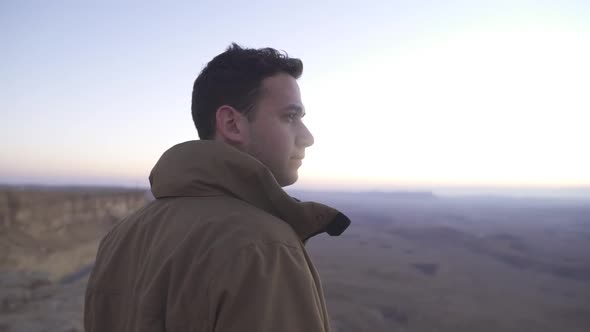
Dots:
{"x": 505, "y": 107}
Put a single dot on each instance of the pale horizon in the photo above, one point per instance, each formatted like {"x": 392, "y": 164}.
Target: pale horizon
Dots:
{"x": 581, "y": 192}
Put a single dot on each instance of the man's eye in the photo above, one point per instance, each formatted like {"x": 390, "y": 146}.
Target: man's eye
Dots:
{"x": 292, "y": 116}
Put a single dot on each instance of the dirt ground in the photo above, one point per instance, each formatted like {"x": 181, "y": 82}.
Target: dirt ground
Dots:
{"x": 407, "y": 263}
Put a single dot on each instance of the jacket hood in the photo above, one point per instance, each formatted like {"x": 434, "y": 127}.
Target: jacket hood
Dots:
{"x": 211, "y": 168}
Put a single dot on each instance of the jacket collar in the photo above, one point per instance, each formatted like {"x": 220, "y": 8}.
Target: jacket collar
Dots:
{"x": 210, "y": 168}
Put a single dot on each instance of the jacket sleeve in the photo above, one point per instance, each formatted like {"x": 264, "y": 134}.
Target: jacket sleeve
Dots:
{"x": 266, "y": 287}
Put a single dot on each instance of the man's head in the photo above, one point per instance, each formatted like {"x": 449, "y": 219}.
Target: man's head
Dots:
{"x": 249, "y": 98}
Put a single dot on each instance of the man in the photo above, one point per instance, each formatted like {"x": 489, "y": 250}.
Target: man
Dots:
{"x": 222, "y": 246}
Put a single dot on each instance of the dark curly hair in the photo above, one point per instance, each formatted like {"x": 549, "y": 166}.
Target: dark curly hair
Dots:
{"x": 234, "y": 78}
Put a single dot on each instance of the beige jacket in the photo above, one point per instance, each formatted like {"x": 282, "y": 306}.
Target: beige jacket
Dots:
{"x": 220, "y": 249}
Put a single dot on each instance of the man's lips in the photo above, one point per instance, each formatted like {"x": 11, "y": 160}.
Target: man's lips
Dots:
{"x": 299, "y": 156}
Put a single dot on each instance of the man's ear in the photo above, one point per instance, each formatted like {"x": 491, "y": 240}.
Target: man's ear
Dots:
{"x": 229, "y": 124}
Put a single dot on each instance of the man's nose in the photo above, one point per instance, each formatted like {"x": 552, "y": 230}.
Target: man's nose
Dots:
{"x": 305, "y": 138}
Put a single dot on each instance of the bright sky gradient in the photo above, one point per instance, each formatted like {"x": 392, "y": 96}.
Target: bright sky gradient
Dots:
{"x": 398, "y": 93}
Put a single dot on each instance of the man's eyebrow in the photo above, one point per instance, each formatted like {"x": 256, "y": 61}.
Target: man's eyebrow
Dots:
{"x": 295, "y": 107}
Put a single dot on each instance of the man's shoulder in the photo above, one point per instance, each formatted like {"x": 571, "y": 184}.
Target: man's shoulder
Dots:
{"x": 226, "y": 227}
{"x": 247, "y": 224}
{"x": 227, "y": 221}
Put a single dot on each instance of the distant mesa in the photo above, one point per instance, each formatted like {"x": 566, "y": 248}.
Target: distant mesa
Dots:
{"x": 429, "y": 269}
{"x": 579, "y": 273}
{"x": 69, "y": 188}
{"x": 355, "y": 195}
{"x": 395, "y": 315}
{"x": 506, "y": 248}
{"x": 439, "y": 235}
{"x": 403, "y": 194}
{"x": 512, "y": 241}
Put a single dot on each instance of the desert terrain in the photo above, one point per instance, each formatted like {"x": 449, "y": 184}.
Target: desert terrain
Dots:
{"x": 409, "y": 261}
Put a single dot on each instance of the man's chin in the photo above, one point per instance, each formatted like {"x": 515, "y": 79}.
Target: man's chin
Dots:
{"x": 289, "y": 180}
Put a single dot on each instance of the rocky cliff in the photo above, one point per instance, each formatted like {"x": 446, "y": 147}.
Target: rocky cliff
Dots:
{"x": 56, "y": 230}
{"x": 48, "y": 242}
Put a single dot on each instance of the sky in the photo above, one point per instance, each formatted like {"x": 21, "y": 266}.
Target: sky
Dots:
{"x": 397, "y": 93}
